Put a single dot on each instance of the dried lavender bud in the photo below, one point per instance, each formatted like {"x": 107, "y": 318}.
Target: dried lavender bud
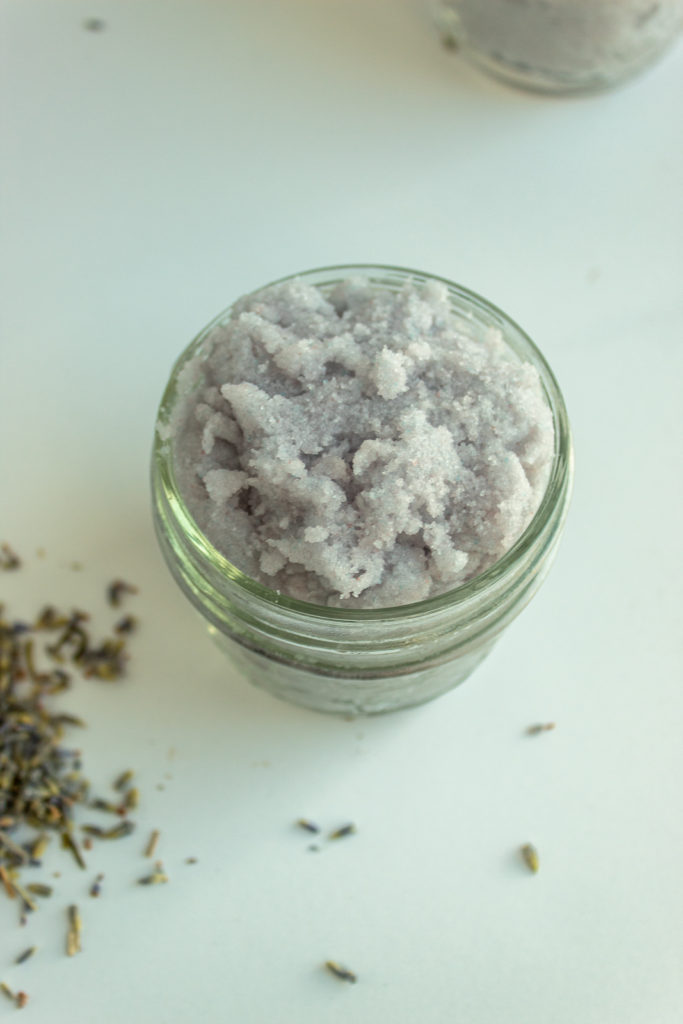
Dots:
{"x": 96, "y": 887}
{"x": 309, "y": 826}
{"x": 152, "y": 844}
{"x": 73, "y": 937}
{"x": 116, "y": 591}
{"x": 122, "y": 780}
{"x": 534, "y": 730}
{"x": 158, "y": 876}
{"x": 128, "y": 624}
{"x": 120, "y": 831}
{"x": 9, "y": 559}
{"x": 38, "y": 889}
{"x": 345, "y": 830}
{"x": 343, "y": 973}
{"x": 530, "y": 855}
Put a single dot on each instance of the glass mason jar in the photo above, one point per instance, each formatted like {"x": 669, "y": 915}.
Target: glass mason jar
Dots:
{"x": 561, "y": 46}
{"x": 362, "y": 661}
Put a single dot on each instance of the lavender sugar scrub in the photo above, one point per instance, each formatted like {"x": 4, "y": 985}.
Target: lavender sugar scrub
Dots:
{"x": 363, "y": 448}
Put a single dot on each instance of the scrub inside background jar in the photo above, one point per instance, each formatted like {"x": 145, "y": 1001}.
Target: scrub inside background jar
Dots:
{"x": 571, "y": 41}
{"x": 359, "y": 447}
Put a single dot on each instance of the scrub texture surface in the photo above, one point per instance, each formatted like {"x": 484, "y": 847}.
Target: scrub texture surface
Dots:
{"x": 360, "y": 447}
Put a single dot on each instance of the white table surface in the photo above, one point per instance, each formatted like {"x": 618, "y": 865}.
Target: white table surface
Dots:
{"x": 151, "y": 173}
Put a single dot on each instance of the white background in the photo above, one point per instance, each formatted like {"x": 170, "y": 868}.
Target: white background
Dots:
{"x": 153, "y": 172}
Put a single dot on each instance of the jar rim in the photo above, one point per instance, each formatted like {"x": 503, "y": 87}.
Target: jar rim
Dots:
{"x": 555, "y": 494}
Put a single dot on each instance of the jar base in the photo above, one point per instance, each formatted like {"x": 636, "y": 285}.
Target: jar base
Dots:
{"x": 554, "y": 83}
{"x": 343, "y": 695}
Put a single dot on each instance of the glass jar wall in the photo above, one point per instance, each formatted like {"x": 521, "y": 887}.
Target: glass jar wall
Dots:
{"x": 361, "y": 660}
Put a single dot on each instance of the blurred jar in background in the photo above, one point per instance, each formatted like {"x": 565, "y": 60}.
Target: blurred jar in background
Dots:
{"x": 561, "y": 46}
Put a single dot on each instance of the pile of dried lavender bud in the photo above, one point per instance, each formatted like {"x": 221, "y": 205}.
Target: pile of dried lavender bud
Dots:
{"x": 41, "y": 781}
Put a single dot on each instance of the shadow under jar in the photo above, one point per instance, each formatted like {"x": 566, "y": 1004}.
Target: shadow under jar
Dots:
{"x": 361, "y": 660}
{"x": 561, "y": 46}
